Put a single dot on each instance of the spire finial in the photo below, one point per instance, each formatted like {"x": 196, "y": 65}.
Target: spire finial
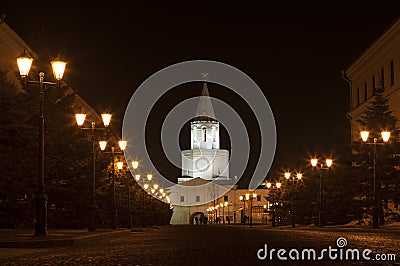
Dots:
{"x": 204, "y": 75}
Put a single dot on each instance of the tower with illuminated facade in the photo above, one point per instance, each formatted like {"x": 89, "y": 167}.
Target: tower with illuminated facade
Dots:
{"x": 205, "y": 159}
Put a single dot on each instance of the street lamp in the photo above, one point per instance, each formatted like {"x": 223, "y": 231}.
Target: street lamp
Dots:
{"x": 241, "y": 198}
{"x": 122, "y": 146}
{"x": 385, "y": 137}
{"x": 327, "y": 166}
{"x": 251, "y": 198}
{"x": 226, "y": 204}
{"x": 80, "y": 120}
{"x": 276, "y": 186}
{"x": 135, "y": 165}
{"x": 145, "y": 187}
{"x": 294, "y": 180}
{"x": 24, "y": 63}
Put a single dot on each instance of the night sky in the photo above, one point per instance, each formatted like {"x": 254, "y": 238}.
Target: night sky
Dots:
{"x": 294, "y": 53}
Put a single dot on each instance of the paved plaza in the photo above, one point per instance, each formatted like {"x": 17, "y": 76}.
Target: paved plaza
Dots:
{"x": 207, "y": 245}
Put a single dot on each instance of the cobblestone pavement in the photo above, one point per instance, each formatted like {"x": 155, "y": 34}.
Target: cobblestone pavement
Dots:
{"x": 208, "y": 245}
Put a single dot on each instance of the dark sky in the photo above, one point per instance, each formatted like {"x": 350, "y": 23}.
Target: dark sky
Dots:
{"x": 294, "y": 53}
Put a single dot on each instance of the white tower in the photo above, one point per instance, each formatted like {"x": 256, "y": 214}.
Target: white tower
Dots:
{"x": 205, "y": 159}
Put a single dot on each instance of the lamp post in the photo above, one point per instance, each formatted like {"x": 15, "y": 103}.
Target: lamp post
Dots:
{"x": 327, "y": 166}
{"x": 241, "y": 198}
{"x": 24, "y": 64}
{"x": 385, "y": 137}
{"x": 217, "y": 214}
{"x": 80, "y": 120}
{"x": 265, "y": 213}
{"x": 145, "y": 186}
{"x": 221, "y": 205}
{"x": 135, "y": 165}
{"x": 276, "y": 186}
{"x": 226, "y": 204}
{"x": 294, "y": 180}
{"x": 153, "y": 194}
{"x": 250, "y": 198}
{"x": 122, "y": 146}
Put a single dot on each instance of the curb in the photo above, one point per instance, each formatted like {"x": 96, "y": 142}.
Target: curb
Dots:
{"x": 66, "y": 242}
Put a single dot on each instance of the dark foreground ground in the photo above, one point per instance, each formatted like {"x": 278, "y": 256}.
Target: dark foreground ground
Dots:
{"x": 211, "y": 245}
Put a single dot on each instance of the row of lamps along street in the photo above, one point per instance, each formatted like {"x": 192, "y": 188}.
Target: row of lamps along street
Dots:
{"x": 24, "y": 63}
{"x": 219, "y": 207}
{"x": 80, "y": 119}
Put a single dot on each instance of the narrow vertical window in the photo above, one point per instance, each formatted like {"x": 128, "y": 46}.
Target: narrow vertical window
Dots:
{"x": 373, "y": 84}
{"x": 391, "y": 73}
{"x": 182, "y": 198}
{"x": 197, "y": 198}
{"x": 373, "y": 81}
{"x": 205, "y": 134}
{"x": 365, "y": 91}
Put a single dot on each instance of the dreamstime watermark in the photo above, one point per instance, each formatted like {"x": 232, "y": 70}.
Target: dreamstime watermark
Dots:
{"x": 333, "y": 253}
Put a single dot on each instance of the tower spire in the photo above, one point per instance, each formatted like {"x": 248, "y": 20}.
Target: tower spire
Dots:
{"x": 205, "y": 110}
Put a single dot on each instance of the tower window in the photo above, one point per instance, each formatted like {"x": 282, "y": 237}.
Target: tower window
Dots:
{"x": 205, "y": 134}
{"x": 197, "y": 198}
{"x": 182, "y": 198}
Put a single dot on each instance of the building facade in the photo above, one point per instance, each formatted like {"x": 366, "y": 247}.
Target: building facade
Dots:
{"x": 377, "y": 68}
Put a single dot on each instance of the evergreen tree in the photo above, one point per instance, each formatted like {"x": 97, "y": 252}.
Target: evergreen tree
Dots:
{"x": 377, "y": 118}
{"x": 18, "y": 132}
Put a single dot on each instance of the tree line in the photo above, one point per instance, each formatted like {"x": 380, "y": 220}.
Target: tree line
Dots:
{"x": 68, "y": 165}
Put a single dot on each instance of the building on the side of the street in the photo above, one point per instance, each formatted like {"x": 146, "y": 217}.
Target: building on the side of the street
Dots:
{"x": 378, "y": 67}
{"x": 205, "y": 188}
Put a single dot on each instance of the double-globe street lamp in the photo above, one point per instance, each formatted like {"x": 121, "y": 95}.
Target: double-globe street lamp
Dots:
{"x": 80, "y": 120}
{"x": 24, "y": 63}
{"x": 128, "y": 184}
{"x": 113, "y": 152}
{"x": 326, "y": 166}
{"x": 242, "y": 198}
{"x": 249, "y": 197}
{"x": 385, "y": 137}
{"x": 135, "y": 165}
{"x": 273, "y": 187}
{"x": 145, "y": 186}
{"x": 294, "y": 180}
